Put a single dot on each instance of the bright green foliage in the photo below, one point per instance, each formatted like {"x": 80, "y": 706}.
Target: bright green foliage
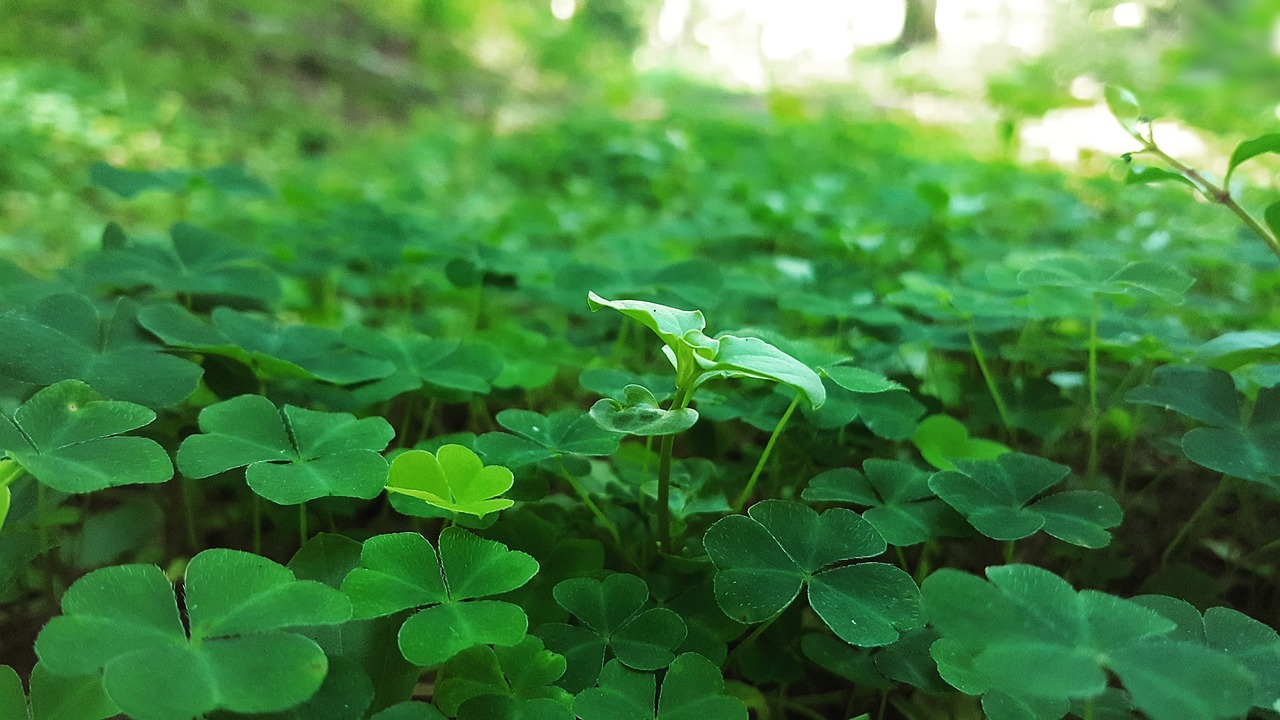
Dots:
{"x": 292, "y": 455}
{"x": 521, "y": 674}
{"x": 1249, "y": 149}
{"x": 1030, "y": 638}
{"x": 942, "y": 440}
{"x": 453, "y": 479}
{"x": 859, "y": 380}
{"x": 63, "y": 337}
{"x": 614, "y": 621}
{"x": 54, "y": 697}
{"x": 640, "y": 414}
{"x": 68, "y": 437}
{"x": 763, "y": 560}
{"x": 543, "y": 437}
{"x": 123, "y": 622}
{"x": 231, "y": 179}
{"x": 996, "y": 497}
{"x": 288, "y": 351}
{"x": 1093, "y": 275}
{"x": 401, "y": 571}
{"x": 439, "y": 365}
{"x": 698, "y": 358}
{"x": 1242, "y": 441}
{"x": 901, "y": 505}
{"x": 200, "y": 264}
{"x": 692, "y": 690}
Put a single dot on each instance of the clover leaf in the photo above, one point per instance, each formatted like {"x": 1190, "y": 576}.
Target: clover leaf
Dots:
{"x": 942, "y": 440}
{"x": 763, "y": 560}
{"x": 542, "y": 437}
{"x": 298, "y": 351}
{"x": 995, "y": 496}
{"x": 292, "y": 455}
{"x": 453, "y": 479}
{"x": 640, "y": 414}
{"x": 400, "y": 571}
{"x": 124, "y": 622}
{"x": 1101, "y": 276}
{"x": 438, "y": 364}
{"x": 62, "y": 337}
{"x": 901, "y": 505}
{"x": 692, "y": 690}
{"x": 199, "y": 263}
{"x": 68, "y": 437}
{"x": 739, "y": 357}
{"x": 1029, "y": 638}
{"x": 1241, "y": 442}
{"x": 128, "y": 183}
{"x": 614, "y": 618}
{"x": 521, "y": 673}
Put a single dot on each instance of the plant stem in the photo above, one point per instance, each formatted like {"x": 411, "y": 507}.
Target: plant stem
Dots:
{"x": 10, "y": 470}
{"x": 1215, "y": 193}
{"x": 748, "y": 640}
{"x": 680, "y": 401}
{"x": 768, "y": 449}
{"x": 1205, "y": 507}
{"x": 992, "y": 388}
{"x": 1093, "y": 392}
{"x": 1008, "y": 552}
{"x": 189, "y": 510}
{"x": 257, "y": 524}
{"x": 302, "y": 524}
{"x": 591, "y": 505}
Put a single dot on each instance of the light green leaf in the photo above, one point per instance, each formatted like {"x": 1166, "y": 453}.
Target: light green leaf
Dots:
{"x": 942, "y": 440}
{"x": 1249, "y": 149}
{"x": 1123, "y": 106}
{"x": 640, "y": 414}
{"x": 453, "y": 479}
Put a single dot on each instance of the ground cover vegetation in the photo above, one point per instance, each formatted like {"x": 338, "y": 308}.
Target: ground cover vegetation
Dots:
{"x": 721, "y": 412}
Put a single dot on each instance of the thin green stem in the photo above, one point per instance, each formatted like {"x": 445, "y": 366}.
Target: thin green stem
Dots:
{"x": 681, "y": 400}
{"x": 1217, "y": 194}
{"x": 42, "y": 529}
{"x": 1185, "y": 530}
{"x": 768, "y": 449}
{"x": 996, "y": 396}
{"x": 884, "y": 704}
{"x": 591, "y": 505}
{"x": 1008, "y": 552}
{"x": 1088, "y": 709}
{"x": 748, "y": 640}
{"x": 302, "y": 524}
{"x": 1093, "y": 391}
{"x": 1259, "y": 552}
{"x": 10, "y": 470}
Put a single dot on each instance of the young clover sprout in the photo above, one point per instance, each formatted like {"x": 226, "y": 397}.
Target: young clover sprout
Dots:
{"x": 697, "y": 358}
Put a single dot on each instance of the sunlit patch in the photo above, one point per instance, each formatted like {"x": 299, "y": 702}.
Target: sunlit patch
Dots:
{"x": 1129, "y": 14}
{"x": 563, "y": 9}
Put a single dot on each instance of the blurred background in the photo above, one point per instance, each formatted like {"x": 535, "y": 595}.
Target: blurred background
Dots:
{"x": 155, "y": 84}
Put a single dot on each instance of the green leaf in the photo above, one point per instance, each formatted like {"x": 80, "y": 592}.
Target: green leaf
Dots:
{"x": 54, "y": 697}
{"x": 640, "y": 414}
{"x": 13, "y": 701}
{"x": 438, "y": 364}
{"x": 891, "y": 415}
{"x": 199, "y": 264}
{"x": 1101, "y": 276}
{"x": 858, "y": 380}
{"x": 942, "y": 440}
{"x": 68, "y": 437}
{"x": 63, "y": 337}
{"x": 522, "y": 672}
{"x": 1249, "y": 149}
{"x": 123, "y": 621}
{"x": 995, "y": 496}
{"x": 867, "y": 604}
{"x": 1123, "y": 106}
{"x": 231, "y": 179}
{"x": 289, "y": 351}
{"x": 1178, "y": 680}
{"x": 615, "y": 619}
{"x": 567, "y": 432}
{"x": 1233, "y": 350}
{"x": 1272, "y": 217}
{"x": 755, "y": 358}
{"x": 1206, "y": 395}
{"x": 409, "y": 710}
{"x": 670, "y": 325}
{"x": 1149, "y": 175}
{"x": 291, "y": 455}
{"x": 902, "y": 506}
{"x": 453, "y": 479}
{"x": 400, "y": 571}
{"x": 692, "y": 690}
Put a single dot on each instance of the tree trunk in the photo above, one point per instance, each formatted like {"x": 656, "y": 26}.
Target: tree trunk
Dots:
{"x": 920, "y": 26}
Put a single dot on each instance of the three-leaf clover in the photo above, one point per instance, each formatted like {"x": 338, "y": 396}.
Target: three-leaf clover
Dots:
{"x": 292, "y": 455}
{"x": 692, "y": 690}
{"x": 124, "y": 622}
{"x": 1027, "y": 640}
{"x": 1241, "y": 441}
{"x": 543, "y": 437}
{"x": 68, "y": 437}
{"x": 453, "y": 479}
{"x": 519, "y": 676}
{"x": 400, "y": 571}
{"x": 900, "y": 503}
{"x": 614, "y": 618}
{"x": 996, "y": 496}
{"x": 764, "y": 558}
{"x": 62, "y": 337}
